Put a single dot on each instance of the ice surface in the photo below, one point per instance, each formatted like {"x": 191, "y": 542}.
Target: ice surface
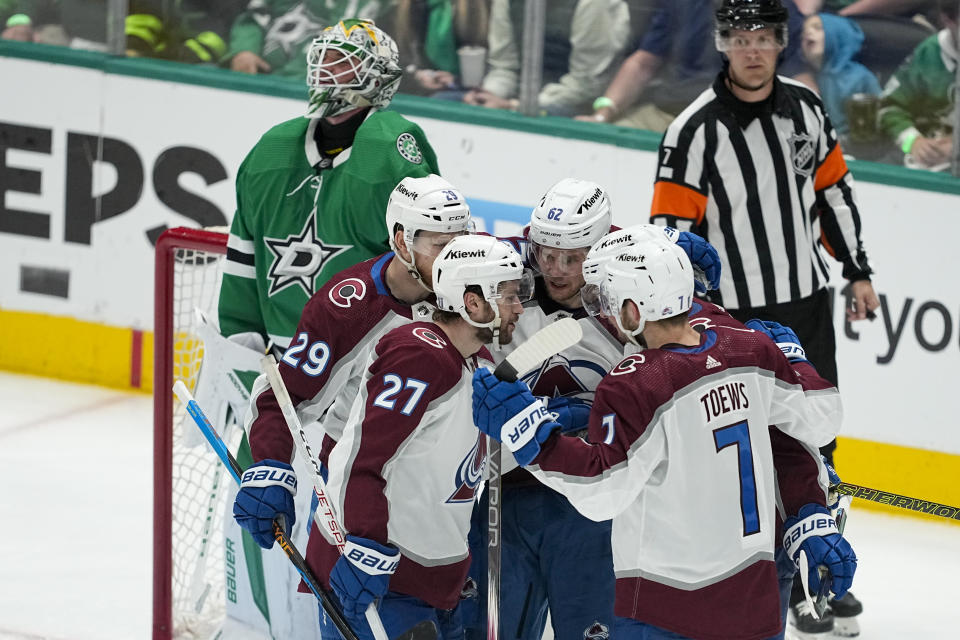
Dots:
{"x": 76, "y": 527}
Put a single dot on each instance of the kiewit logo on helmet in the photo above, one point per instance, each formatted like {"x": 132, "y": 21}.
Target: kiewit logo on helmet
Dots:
{"x": 411, "y": 194}
{"x": 477, "y": 253}
{"x": 592, "y": 200}
{"x": 615, "y": 241}
{"x": 628, "y": 258}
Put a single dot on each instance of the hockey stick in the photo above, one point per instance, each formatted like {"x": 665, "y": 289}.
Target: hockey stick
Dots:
{"x": 328, "y": 519}
{"x": 220, "y": 447}
{"x": 542, "y": 345}
{"x": 896, "y": 500}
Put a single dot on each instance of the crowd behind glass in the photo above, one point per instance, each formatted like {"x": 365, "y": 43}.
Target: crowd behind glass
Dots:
{"x": 885, "y": 69}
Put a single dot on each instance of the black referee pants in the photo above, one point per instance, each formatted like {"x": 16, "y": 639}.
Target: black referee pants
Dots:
{"x": 812, "y": 320}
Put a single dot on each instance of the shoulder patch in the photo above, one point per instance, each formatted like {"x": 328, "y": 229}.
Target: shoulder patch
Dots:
{"x": 628, "y": 364}
{"x": 346, "y": 291}
{"x": 430, "y": 337}
{"x": 408, "y": 148}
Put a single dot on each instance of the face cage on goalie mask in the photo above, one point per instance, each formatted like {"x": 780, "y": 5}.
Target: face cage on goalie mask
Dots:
{"x": 328, "y": 95}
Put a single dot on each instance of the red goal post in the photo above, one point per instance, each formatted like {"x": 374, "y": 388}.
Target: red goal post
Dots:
{"x": 188, "y": 480}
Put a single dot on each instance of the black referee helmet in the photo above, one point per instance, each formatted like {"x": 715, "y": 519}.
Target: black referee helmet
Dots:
{"x": 751, "y": 15}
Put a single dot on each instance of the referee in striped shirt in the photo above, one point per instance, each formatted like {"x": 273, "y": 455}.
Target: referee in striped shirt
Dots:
{"x": 754, "y": 166}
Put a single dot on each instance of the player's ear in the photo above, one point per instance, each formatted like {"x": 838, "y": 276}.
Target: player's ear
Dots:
{"x": 476, "y": 306}
{"x": 630, "y": 314}
{"x": 401, "y": 243}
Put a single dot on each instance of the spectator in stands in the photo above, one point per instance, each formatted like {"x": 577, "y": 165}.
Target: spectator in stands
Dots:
{"x": 858, "y": 7}
{"x": 584, "y": 42}
{"x": 916, "y": 106}
{"x": 18, "y": 27}
{"x": 830, "y": 43}
{"x": 32, "y": 21}
{"x": 677, "y": 48}
{"x": 272, "y": 36}
{"x": 153, "y": 31}
{"x": 429, "y": 43}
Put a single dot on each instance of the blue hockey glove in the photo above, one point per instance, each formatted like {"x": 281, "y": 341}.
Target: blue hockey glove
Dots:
{"x": 508, "y": 412}
{"x": 705, "y": 261}
{"x": 573, "y": 414}
{"x": 814, "y": 532}
{"x": 784, "y": 336}
{"x": 266, "y": 491}
{"x": 362, "y": 574}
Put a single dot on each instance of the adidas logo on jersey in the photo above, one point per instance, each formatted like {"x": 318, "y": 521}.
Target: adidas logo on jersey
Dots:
{"x": 712, "y": 363}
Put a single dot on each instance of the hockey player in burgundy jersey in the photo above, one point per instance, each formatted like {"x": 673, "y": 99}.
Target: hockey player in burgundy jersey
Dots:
{"x": 680, "y": 456}
{"x": 406, "y": 470}
{"x": 344, "y": 320}
{"x": 339, "y": 328}
{"x": 552, "y": 556}
{"x": 796, "y": 465}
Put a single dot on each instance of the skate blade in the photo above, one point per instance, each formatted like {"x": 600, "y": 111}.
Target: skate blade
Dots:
{"x": 845, "y": 627}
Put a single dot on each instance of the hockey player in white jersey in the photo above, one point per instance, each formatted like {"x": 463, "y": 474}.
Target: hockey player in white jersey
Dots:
{"x": 338, "y": 329}
{"x": 552, "y": 557}
{"x": 679, "y": 437}
{"x": 405, "y": 473}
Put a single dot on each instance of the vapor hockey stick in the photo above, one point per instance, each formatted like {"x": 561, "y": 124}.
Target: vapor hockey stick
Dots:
{"x": 896, "y": 500}
{"x": 542, "y": 345}
{"x": 220, "y": 448}
{"x": 324, "y": 516}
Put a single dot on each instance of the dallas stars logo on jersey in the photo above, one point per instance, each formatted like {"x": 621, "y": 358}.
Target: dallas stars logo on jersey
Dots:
{"x": 299, "y": 258}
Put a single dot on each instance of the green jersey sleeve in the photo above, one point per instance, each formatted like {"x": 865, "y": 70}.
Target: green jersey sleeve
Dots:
{"x": 239, "y": 306}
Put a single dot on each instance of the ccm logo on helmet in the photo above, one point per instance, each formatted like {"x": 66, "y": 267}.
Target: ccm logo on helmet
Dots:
{"x": 592, "y": 200}
{"x": 453, "y": 218}
{"x": 456, "y": 255}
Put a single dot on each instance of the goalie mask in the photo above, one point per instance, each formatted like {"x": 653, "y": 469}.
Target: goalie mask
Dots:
{"x": 751, "y": 15}
{"x": 487, "y": 263}
{"x": 351, "y": 64}
{"x": 426, "y": 204}
{"x": 572, "y": 215}
{"x": 655, "y": 275}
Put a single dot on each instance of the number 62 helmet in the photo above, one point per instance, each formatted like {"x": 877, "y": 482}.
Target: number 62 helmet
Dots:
{"x": 351, "y": 64}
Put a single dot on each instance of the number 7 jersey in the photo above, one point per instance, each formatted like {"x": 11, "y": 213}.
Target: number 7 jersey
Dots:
{"x": 684, "y": 466}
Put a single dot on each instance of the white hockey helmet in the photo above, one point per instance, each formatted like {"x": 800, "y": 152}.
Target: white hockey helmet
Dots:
{"x": 484, "y": 261}
{"x": 656, "y": 275}
{"x": 572, "y": 214}
{"x": 609, "y": 245}
{"x": 425, "y": 204}
{"x": 351, "y": 64}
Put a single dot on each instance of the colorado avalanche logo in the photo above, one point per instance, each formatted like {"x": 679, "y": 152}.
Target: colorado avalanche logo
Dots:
{"x": 700, "y": 323}
{"x": 628, "y": 365}
{"x": 430, "y": 337}
{"x": 559, "y": 377}
{"x": 344, "y": 293}
{"x": 470, "y": 472}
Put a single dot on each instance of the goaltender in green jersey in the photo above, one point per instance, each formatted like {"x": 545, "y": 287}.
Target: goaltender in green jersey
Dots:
{"x": 311, "y": 195}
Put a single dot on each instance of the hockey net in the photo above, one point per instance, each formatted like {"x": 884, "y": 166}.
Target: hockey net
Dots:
{"x": 190, "y": 484}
